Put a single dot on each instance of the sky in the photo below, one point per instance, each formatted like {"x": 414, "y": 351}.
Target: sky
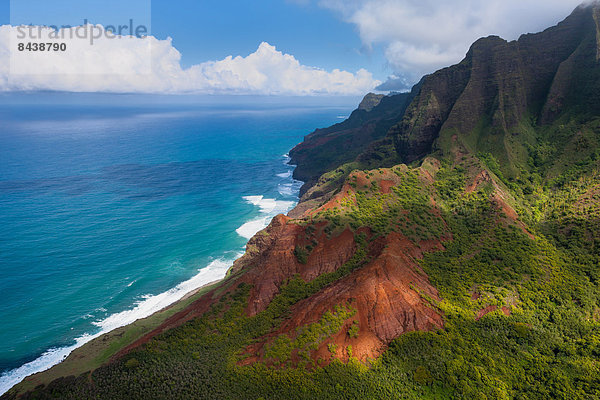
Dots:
{"x": 285, "y": 47}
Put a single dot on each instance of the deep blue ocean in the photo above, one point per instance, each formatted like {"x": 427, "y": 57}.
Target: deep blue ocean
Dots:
{"x": 114, "y": 206}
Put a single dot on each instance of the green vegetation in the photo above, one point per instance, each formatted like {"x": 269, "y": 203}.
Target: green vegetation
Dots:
{"x": 407, "y": 209}
{"x": 547, "y": 348}
{"x": 353, "y": 331}
{"x": 308, "y": 337}
{"x": 97, "y": 352}
{"x": 301, "y": 254}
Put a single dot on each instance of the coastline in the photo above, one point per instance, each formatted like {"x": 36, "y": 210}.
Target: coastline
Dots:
{"x": 115, "y": 335}
{"x": 59, "y": 357}
{"x": 100, "y": 349}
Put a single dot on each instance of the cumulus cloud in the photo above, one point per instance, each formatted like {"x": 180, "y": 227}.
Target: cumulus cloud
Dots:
{"x": 421, "y": 36}
{"x": 149, "y": 65}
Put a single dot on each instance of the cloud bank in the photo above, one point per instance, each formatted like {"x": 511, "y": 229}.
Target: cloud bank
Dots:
{"x": 150, "y": 65}
{"x": 421, "y": 36}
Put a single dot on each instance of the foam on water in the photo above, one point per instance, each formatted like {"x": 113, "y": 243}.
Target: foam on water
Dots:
{"x": 150, "y": 304}
{"x": 251, "y": 228}
{"x": 269, "y": 208}
{"x": 289, "y": 189}
{"x": 147, "y": 306}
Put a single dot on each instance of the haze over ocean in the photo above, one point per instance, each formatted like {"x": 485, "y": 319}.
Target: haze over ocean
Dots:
{"x": 114, "y": 206}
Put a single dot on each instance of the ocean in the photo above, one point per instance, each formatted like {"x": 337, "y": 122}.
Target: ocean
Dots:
{"x": 115, "y": 206}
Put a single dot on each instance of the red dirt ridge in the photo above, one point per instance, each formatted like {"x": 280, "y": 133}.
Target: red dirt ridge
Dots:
{"x": 390, "y": 295}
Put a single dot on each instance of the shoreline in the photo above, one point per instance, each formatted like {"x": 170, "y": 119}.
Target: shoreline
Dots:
{"x": 53, "y": 358}
{"x": 193, "y": 292}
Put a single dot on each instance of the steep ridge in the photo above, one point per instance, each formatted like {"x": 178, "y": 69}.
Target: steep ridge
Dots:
{"x": 501, "y": 89}
{"x": 326, "y": 149}
{"x": 388, "y": 296}
{"x": 388, "y": 291}
{"x": 472, "y": 272}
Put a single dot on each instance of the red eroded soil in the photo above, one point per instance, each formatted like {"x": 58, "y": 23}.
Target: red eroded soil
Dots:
{"x": 389, "y": 294}
{"x": 482, "y": 313}
{"x": 268, "y": 263}
{"x": 271, "y": 260}
{"x": 386, "y": 185}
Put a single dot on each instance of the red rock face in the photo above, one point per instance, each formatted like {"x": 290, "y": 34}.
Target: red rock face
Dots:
{"x": 389, "y": 296}
{"x": 270, "y": 260}
{"x": 482, "y": 313}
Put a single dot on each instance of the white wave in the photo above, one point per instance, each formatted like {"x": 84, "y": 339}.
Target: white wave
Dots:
{"x": 290, "y": 189}
{"x": 149, "y": 305}
{"x": 285, "y": 189}
{"x": 42, "y": 363}
{"x": 251, "y": 228}
{"x": 272, "y": 207}
{"x": 269, "y": 208}
{"x": 214, "y": 271}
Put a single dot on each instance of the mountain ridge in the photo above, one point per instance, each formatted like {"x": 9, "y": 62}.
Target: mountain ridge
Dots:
{"x": 446, "y": 245}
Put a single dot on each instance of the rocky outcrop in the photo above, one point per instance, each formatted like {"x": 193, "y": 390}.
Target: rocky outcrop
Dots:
{"x": 270, "y": 260}
{"x": 370, "y": 101}
{"x": 389, "y": 291}
{"x": 501, "y": 88}
{"x": 391, "y": 296}
{"x": 327, "y": 149}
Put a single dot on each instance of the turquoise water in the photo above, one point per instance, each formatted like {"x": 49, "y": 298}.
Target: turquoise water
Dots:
{"x": 112, "y": 207}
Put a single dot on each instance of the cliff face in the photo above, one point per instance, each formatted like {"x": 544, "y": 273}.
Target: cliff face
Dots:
{"x": 502, "y": 89}
{"x": 270, "y": 260}
{"x": 370, "y": 101}
{"x": 326, "y": 149}
{"x": 386, "y": 288}
{"x": 389, "y": 295}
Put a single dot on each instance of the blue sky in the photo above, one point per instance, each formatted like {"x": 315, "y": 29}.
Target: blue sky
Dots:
{"x": 211, "y": 30}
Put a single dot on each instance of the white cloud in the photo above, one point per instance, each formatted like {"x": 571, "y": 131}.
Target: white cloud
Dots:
{"x": 147, "y": 65}
{"x": 421, "y": 36}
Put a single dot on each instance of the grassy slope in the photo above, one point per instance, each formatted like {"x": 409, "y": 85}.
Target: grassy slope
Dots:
{"x": 97, "y": 352}
{"x": 547, "y": 348}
